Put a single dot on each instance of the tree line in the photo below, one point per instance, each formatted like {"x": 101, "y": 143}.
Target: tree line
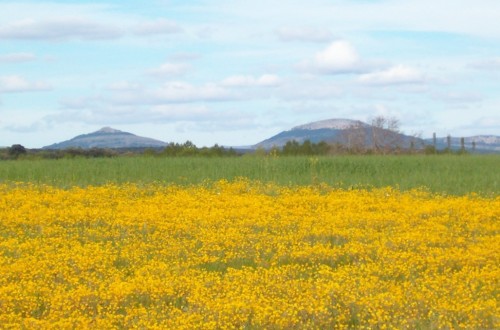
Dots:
{"x": 18, "y": 151}
{"x": 188, "y": 149}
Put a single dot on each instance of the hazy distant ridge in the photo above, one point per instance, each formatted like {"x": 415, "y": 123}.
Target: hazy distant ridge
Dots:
{"x": 108, "y": 137}
{"x": 483, "y": 143}
{"x": 342, "y": 131}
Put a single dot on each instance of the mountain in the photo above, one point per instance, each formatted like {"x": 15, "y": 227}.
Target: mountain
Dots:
{"x": 478, "y": 143}
{"x": 108, "y": 137}
{"x": 338, "y": 124}
{"x": 352, "y": 133}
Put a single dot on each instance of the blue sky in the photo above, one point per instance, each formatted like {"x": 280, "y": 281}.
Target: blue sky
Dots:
{"x": 236, "y": 72}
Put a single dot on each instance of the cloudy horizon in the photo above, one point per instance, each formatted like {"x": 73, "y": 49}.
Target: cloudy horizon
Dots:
{"x": 235, "y": 73}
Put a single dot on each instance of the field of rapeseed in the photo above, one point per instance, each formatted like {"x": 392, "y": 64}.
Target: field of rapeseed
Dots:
{"x": 246, "y": 255}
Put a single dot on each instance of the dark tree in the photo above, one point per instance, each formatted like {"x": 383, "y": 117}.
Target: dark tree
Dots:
{"x": 16, "y": 150}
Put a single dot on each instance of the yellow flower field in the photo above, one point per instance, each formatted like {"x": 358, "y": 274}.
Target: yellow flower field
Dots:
{"x": 243, "y": 254}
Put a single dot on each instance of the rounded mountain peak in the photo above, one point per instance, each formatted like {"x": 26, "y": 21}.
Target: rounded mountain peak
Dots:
{"x": 332, "y": 124}
{"x": 108, "y": 129}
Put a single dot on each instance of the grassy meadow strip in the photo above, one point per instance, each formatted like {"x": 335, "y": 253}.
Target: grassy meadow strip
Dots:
{"x": 245, "y": 254}
{"x": 444, "y": 173}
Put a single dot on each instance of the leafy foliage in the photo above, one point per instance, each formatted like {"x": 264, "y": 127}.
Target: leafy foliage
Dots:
{"x": 16, "y": 150}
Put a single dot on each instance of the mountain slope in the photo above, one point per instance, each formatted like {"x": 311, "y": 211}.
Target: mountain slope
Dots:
{"x": 108, "y": 137}
{"x": 351, "y": 133}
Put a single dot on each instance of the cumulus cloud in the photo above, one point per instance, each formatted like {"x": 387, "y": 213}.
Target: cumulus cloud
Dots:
{"x": 74, "y": 27}
{"x": 17, "y": 57}
{"x": 170, "y": 69}
{"x": 123, "y": 86}
{"x": 311, "y": 91}
{"x": 266, "y": 80}
{"x": 185, "y": 92}
{"x": 486, "y": 65}
{"x": 57, "y": 29}
{"x": 171, "y": 92}
{"x": 181, "y": 112}
{"x": 304, "y": 34}
{"x": 18, "y": 84}
{"x": 125, "y": 93}
{"x": 338, "y": 58}
{"x": 395, "y": 75}
{"x": 101, "y": 113}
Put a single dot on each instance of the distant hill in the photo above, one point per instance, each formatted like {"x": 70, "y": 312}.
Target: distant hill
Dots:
{"x": 108, "y": 137}
{"x": 351, "y": 133}
{"x": 347, "y": 132}
{"x": 483, "y": 143}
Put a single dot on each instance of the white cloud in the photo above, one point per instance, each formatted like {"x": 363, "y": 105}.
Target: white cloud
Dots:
{"x": 492, "y": 122}
{"x": 239, "y": 81}
{"x": 304, "y": 34}
{"x": 18, "y": 84}
{"x": 26, "y": 128}
{"x": 159, "y": 26}
{"x": 58, "y": 29}
{"x": 309, "y": 91}
{"x": 181, "y": 112}
{"x": 185, "y": 92}
{"x": 184, "y": 56}
{"x": 171, "y": 92}
{"x": 108, "y": 114}
{"x": 81, "y": 27}
{"x": 458, "y": 97}
{"x": 486, "y": 65}
{"x": 17, "y": 57}
{"x": 123, "y": 86}
{"x": 479, "y": 18}
{"x": 170, "y": 69}
{"x": 78, "y": 102}
{"x": 338, "y": 58}
{"x": 382, "y": 110}
{"x": 396, "y": 75}
{"x": 266, "y": 80}
{"x": 269, "y": 80}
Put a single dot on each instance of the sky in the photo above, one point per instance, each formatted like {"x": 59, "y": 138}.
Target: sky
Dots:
{"x": 235, "y": 72}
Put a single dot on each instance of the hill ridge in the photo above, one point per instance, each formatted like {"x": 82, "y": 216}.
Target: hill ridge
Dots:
{"x": 108, "y": 137}
{"x": 353, "y": 133}
{"x": 340, "y": 123}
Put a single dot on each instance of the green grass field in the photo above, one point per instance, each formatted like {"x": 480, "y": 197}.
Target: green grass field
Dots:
{"x": 443, "y": 174}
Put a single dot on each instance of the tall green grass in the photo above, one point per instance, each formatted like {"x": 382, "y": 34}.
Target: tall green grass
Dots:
{"x": 444, "y": 173}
